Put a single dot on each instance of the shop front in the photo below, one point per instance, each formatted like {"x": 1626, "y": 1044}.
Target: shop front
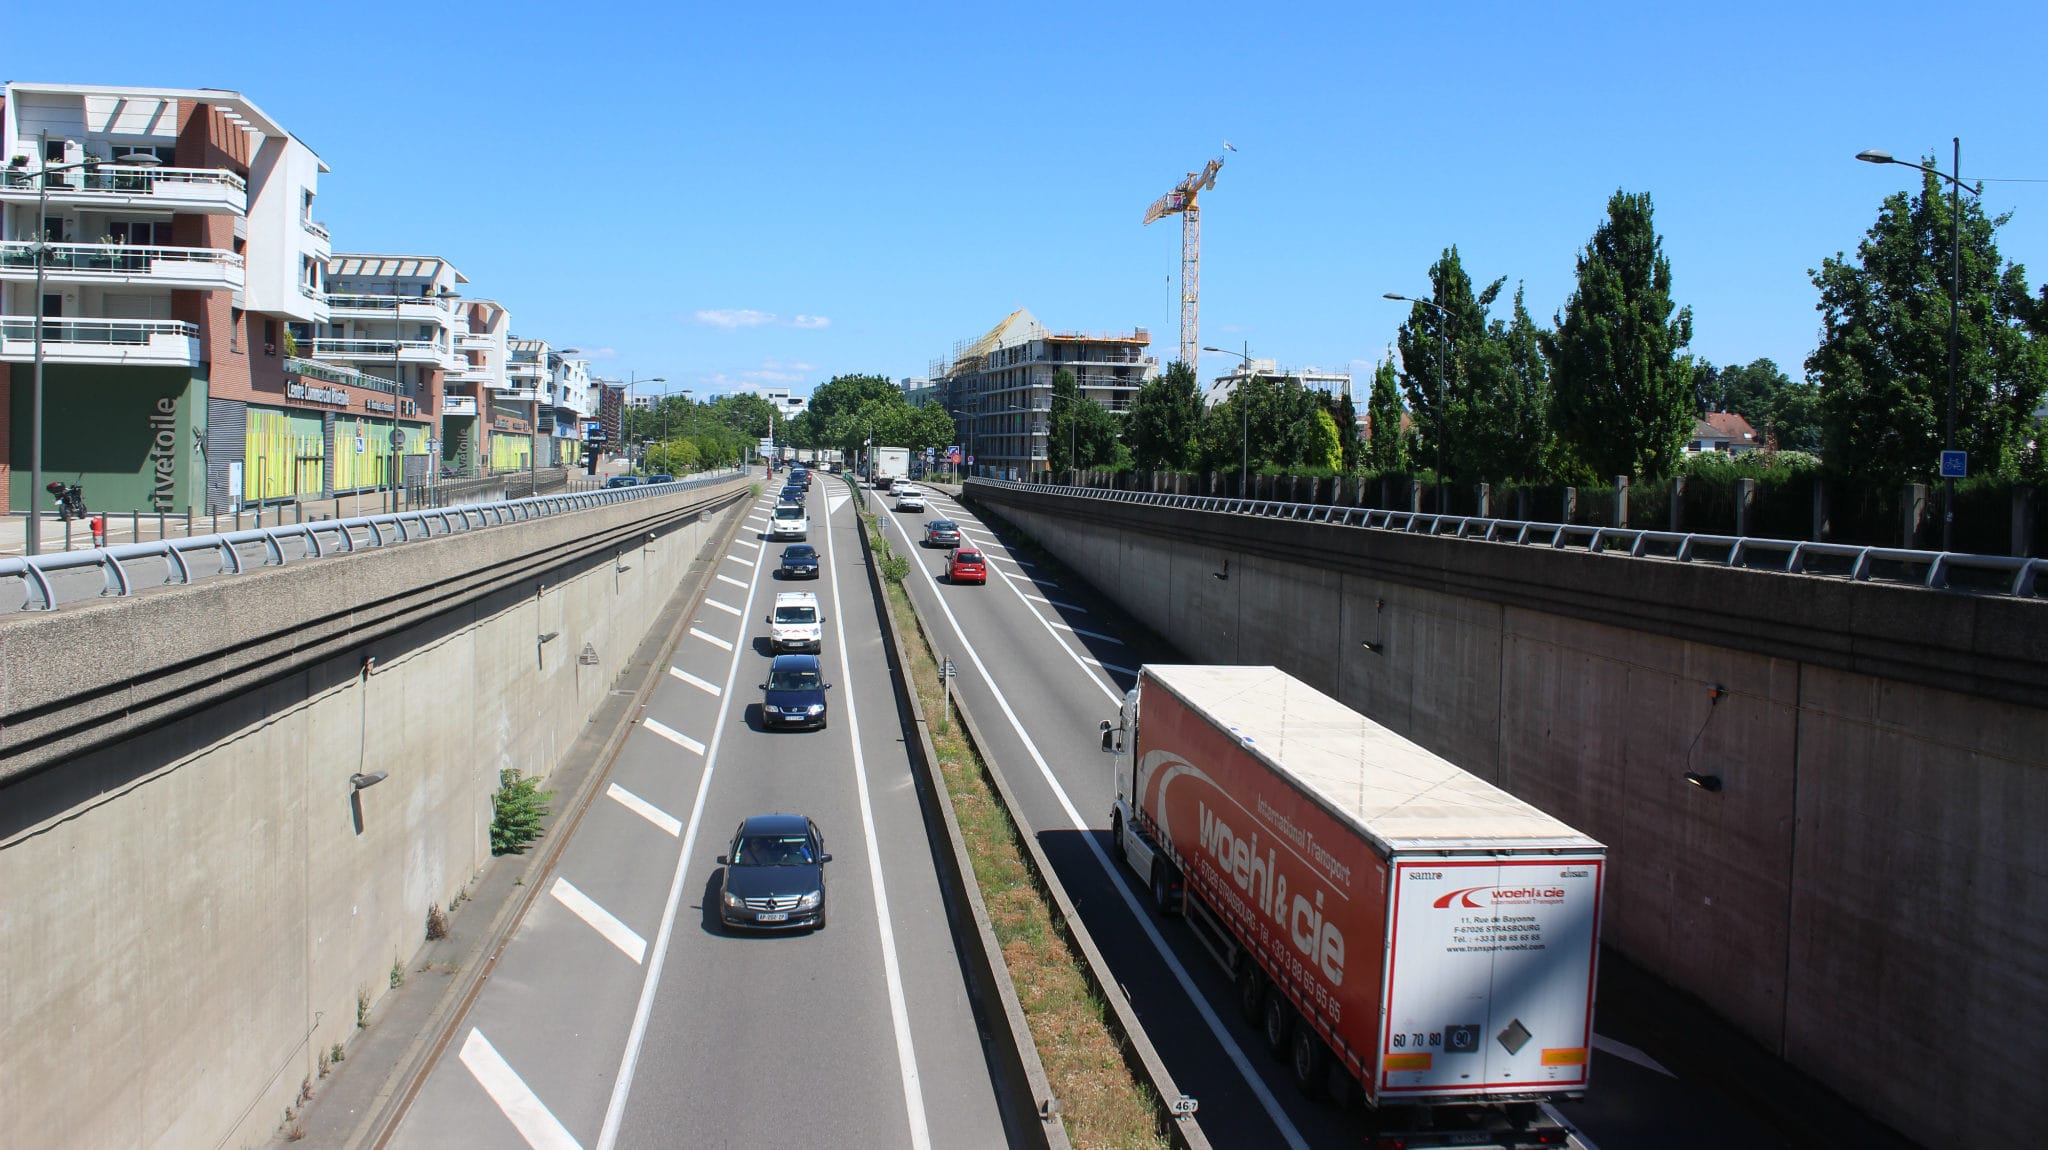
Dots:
{"x": 132, "y": 438}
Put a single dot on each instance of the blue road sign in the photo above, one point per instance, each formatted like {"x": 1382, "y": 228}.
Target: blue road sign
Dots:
{"x": 1955, "y": 465}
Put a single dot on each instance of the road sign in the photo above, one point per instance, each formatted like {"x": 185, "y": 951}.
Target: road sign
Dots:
{"x": 970, "y": 461}
{"x": 953, "y": 453}
{"x": 1955, "y": 465}
{"x": 359, "y": 445}
{"x": 397, "y": 437}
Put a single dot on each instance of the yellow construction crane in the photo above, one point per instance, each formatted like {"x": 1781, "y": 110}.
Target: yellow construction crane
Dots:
{"x": 1182, "y": 200}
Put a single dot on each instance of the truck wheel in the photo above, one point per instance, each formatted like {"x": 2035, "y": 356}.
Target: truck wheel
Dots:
{"x": 1310, "y": 1060}
{"x": 1277, "y": 1019}
{"x": 1251, "y": 991}
{"x": 1116, "y": 839}
{"x": 1162, "y": 887}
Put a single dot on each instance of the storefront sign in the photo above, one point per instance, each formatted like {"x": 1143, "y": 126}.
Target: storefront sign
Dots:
{"x": 306, "y": 393}
{"x": 163, "y": 452}
{"x": 380, "y": 405}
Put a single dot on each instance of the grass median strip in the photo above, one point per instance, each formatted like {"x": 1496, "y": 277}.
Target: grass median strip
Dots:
{"x": 1101, "y": 1103}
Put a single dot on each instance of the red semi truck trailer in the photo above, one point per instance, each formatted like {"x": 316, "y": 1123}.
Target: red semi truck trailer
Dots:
{"x": 1397, "y": 928}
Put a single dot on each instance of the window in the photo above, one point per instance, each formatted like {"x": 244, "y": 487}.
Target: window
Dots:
{"x": 306, "y": 206}
{"x": 234, "y": 329}
{"x": 269, "y": 337}
{"x": 141, "y": 233}
{"x": 53, "y": 151}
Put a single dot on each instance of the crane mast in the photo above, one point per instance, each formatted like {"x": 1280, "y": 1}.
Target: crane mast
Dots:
{"x": 1183, "y": 201}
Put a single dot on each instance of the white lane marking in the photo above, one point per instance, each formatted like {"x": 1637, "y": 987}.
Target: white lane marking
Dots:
{"x": 899, "y": 1010}
{"x": 748, "y": 543}
{"x": 1057, "y": 603}
{"x": 757, "y": 519}
{"x": 724, "y": 578}
{"x": 737, "y": 559}
{"x": 705, "y": 685}
{"x": 1173, "y": 964}
{"x": 1627, "y": 1053}
{"x": 674, "y": 736}
{"x": 645, "y": 809}
{"x": 1091, "y": 634}
{"x": 599, "y": 919}
{"x": 834, "y": 502}
{"x": 1115, "y": 693}
{"x": 629, "y": 1059}
{"x": 1111, "y": 667}
{"x": 1031, "y": 579}
{"x": 725, "y": 607}
{"x": 711, "y": 639}
{"x": 541, "y": 1129}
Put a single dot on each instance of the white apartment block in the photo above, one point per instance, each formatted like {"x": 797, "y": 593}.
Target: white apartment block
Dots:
{"x": 1336, "y": 383}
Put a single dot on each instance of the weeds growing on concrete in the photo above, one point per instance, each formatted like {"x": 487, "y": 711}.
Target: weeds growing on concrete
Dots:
{"x": 518, "y": 808}
{"x": 437, "y": 923}
{"x": 397, "y": 974}
{"x": 325, "y": 1062}
{"x": 336, "y": 1054}
{"x": 362, "y": 1007}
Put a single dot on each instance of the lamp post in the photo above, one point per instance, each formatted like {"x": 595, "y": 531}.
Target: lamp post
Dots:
{"x": 1244, "y": 464}
{"x": 972, "y": 419}
{"x": 40, "y": 246}
{"x": 1955, "y": 292}
{"x": 633, "y": 380}
{"x": 1443, "y": 376}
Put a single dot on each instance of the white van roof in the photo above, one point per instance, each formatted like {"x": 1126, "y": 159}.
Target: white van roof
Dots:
{"x": 796, "y": 598}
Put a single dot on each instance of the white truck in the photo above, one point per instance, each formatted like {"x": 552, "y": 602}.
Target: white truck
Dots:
{"x": 887, "y": 465}
{"x": 1396, "y": 927}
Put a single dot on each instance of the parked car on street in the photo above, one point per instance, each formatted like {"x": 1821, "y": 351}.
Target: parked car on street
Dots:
{"x": 774, "y": 875}
{"x": 623, "y": 481}
{"x": 942, "y": 533}
{"x": 799, "y": 561}
{"x": 660, "y": 477}
{"x": 794, "y": 695}
{"x": 964, "y": 566}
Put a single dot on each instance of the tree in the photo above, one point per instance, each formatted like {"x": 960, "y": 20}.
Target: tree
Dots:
{"x": 1162, "y": 426}
{"x": 1344, "y": 417}
{"x": 1621, "y": 394}
{"x": 1386, "y": 447}
{"x": 1433, "y": 345}
{"x": 1272, "y": 422}
{"x": 1059, "y": 426}
{"x": 1785, "y": 413}
{"x": 1503, "y": 424}
{"x": 1096, "y": 434}
{"x": 1882, "y": 363}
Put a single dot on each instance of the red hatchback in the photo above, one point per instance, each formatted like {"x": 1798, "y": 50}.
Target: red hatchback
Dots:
{"x": 966, "y": 567}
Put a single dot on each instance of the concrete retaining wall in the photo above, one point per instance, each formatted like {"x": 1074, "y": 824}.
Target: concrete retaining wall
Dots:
{"x": 199, "y": 905}
{"x": 1860, "y": 897}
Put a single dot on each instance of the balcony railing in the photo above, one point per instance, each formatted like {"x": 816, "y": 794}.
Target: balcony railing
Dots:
{"x": 69, "y": 261}
{"x": 100, "y": 340}
{"x": 357, "y": 301}
{"x": 329, "y": 373}
{"x": 315, "y": 227}
{"x": 368, "y": 348}
{"x": 188, "y": 187}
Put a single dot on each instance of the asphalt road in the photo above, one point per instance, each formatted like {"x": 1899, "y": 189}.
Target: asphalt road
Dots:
{"x": 1040, "y": 667}
{"x": 622, "y": 1015}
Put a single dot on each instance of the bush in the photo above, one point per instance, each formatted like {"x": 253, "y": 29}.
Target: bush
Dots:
{"x": 518, "y": 808}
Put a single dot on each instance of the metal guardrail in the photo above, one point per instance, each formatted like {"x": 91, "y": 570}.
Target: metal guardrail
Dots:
{"x": 1791, "y": 556}
{"x": 316, "y": 540}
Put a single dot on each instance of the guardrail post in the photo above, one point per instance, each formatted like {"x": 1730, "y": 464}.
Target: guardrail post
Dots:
{"x": 1745, "y": 505}
{"x": 1621, "y": 501}
{"x": 1821, "y": 527}
{"x": 1678, "y": 504}
{"x": 1913, "y": 514}
{"x": 2022, "y": 520}
{"x": 1482, "y": 497}
{"x": 1522, "y": 504}
{"x": 1568, "y": 507}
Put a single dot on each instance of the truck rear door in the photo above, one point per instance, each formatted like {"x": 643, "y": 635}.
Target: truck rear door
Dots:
{"x": 1490, "y": 976}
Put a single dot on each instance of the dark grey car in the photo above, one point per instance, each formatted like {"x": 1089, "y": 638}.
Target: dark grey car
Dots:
{"x": 774, "y": 875}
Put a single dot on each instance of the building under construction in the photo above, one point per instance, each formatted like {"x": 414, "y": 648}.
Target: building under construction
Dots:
{"x": 999, "y": 387}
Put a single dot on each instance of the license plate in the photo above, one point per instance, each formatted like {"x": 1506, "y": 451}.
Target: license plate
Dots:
{"x": 772, "y": 916}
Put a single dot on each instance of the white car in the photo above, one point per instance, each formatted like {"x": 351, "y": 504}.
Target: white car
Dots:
{"x": 789, "y": 521}
{"x": 909, "y": 498}
{"x": 796, "y": 624}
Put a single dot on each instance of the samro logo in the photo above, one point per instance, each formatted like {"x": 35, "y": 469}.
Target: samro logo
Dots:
{"x": 1470, "y": 896}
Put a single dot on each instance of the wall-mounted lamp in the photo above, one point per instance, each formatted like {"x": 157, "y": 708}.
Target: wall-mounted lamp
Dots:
{"x": 550, "y": 636}
{"x": 362, "y": 782}
{"x": 1379, "y": 644}
{"x": 1703, "y": 782}
{"x": 1223, "y": 574}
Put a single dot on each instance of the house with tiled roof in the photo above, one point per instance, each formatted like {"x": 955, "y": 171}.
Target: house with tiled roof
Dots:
{"x": 1722, "y": 431}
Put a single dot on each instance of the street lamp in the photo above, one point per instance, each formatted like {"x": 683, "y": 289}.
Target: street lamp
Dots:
{"x": 438, "y": 295}
{"x": 1955, "y": 291}
{"x": 1244, "y": 465}
{"x": 40, "y": 245}
{"x": 972, "y": 419}
{"x": 1443, "y": 375}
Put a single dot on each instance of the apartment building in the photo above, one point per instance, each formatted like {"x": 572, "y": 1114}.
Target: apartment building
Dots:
{"x": 558, "y": 393}
{"x": 392, "y": 317}
{"x": 470, "y": 394}
{"x": 999, "y": 386}
{"x": 177, "y": 248}
{"x": 1336, "y": 383}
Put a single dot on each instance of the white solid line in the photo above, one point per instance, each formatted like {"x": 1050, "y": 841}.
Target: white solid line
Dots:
{"x": 1173, "y": 964}
{"x": 899, "y": 1010}
{"x": 724, "y": 578}
{"x": 704, "y": 685}
{"x": 674, "y": 736}
{"x": 645, "y": 809}
{"x": 711, "y": 639}
{"x": 748, "y": 543}
{"x": 541, "y": 1129}
{"x": 1057, "y": 603}
{"x": 1091, "y": 634}
{"x": 1112, "y": 667}
{"x": 599, "y": 919}
{"x": 737, "y": 559}
{"x": 1102, "y": 683}
{"x": 629, "y": 1060}
{"x": 725, "y": 607}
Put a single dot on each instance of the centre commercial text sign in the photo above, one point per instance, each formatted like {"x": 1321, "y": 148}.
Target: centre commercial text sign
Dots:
{"x": 307, "y": 393}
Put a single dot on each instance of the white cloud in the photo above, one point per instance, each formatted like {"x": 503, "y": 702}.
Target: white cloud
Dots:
{"x": 734, "y": 317}
{"x": 810, "y": 321}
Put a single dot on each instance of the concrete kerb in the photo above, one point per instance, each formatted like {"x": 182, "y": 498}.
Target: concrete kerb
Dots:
{"x": 1138, "y": 1050}
{"x": 395, "y": 1092}
{"x": 1034, "y": 1107}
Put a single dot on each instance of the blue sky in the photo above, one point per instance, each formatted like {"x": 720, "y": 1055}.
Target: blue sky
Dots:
{"x": 731, "y": 196}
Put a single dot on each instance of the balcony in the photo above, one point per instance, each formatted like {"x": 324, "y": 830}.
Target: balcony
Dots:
{"x": 329, "y": 373}
{"x": 515, "y": 394}
{"x": 458, "y": 405}
{"x": 150, "y": 342}
{"x": 470, "y": 341}
{"x": 382, "y": 306}
{"x": 408, "y": 351}
{"x": 111, "y": 187}
{"x": 317, "y": 230}
{"x": 205, "y": 269}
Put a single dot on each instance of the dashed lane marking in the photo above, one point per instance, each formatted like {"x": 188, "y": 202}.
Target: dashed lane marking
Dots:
{"x": 674, "y": 736}
{"x": 748, "y": 543}
{"x": 541, "y": 1129}
{"x": 1110, "y": 667}
{"x": 714, "y": 640}
{"x": 645, "y": 809}
{"x": 1091, "y": 634}
{"x": 737, "y": 559}
{"x": 724, "y": 578}
{"x": 1057, "y": 603}
{"x": 704, "y": 685}
{"x": 600, "y": 920}
{"x": 725, "y": 607}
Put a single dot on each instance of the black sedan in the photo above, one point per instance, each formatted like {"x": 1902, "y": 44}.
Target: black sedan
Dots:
{"x": 774, "y": 875}
{"x": 794, "y": 695}
{"x": 942, "y": 533}
{"x": 791, "y": 493}
{"x": 799, "y": 561}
